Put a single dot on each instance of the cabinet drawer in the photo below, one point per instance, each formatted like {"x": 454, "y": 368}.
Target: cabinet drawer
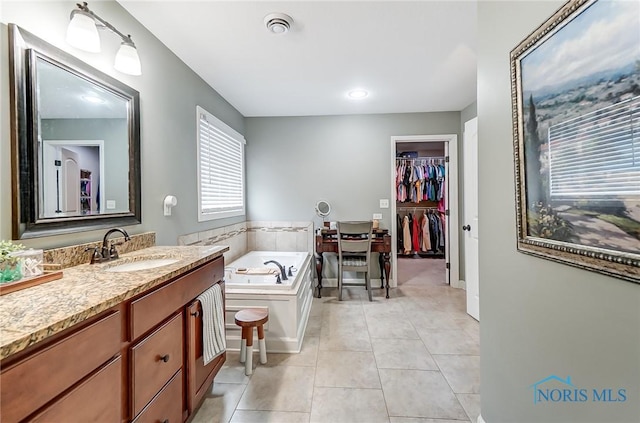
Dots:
{"x": 31, "y": 383}
{"x": 154, "y": 360}
{"x": 97, "y": 399}
{"x": 148, "y": 311}
{"x": 166, "y": 406}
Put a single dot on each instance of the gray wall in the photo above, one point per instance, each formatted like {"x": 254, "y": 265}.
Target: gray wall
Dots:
{"x": 169, "y": 93}
{"x": 468, "y": 113}
{"x": 538, "y": 317}
{"x": 292, "y": 162}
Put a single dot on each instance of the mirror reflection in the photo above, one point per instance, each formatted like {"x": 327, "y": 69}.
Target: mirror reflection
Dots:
{"x": 75, "y": 143}
{"x": 83, "y": 127}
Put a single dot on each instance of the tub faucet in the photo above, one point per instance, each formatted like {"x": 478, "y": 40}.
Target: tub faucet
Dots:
{"x": 283, "y": 270}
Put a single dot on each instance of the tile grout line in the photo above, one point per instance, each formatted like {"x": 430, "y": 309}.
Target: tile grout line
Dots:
{"x": 315, "y": 367}
{"x": 375, "y": 360}
{"x": 235, "y": 407}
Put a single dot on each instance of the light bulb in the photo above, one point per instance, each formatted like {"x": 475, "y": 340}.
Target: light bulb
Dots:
{"x": 82, "y": 32}
{"x": 127, "y": 60}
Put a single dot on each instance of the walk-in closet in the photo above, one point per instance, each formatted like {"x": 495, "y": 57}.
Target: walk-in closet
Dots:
{"x": 421, "y": 206}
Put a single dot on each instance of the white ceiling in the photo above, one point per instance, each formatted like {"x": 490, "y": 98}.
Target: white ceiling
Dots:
{"x": 412, "y": 56}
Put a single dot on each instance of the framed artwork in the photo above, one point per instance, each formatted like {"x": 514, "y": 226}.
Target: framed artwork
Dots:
{"x": 575, "y": 85}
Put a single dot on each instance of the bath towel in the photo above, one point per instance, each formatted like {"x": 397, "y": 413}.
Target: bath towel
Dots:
{"x": 213, "y": 333}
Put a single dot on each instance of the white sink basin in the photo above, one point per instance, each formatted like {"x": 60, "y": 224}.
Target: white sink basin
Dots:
{"x": 141, "y": 265}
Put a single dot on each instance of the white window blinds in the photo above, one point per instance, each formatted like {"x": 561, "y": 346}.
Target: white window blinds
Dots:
{"x": 597, "y": 155}
{"x": 220, "y": 169}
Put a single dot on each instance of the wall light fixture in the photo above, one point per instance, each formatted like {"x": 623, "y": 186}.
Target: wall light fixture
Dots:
{"x": 82, "y": 33}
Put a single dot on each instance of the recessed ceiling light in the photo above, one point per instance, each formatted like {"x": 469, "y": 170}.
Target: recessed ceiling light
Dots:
{"x": 357, "y": 94}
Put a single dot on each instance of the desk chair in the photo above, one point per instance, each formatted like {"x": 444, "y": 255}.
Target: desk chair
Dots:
{"x": 354, "y": 251}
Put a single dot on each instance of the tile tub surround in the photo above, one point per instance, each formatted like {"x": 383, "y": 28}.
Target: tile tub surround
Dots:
{"x": 32, "y": 315}
{"x": 76, "y": 255}
{"x": 255, "y": 235}
{"x": 233, "y": 236}
{"x": 280, "y": 236}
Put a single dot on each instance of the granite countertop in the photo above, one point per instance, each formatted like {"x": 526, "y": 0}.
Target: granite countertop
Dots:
{"x": 33, "y": 314}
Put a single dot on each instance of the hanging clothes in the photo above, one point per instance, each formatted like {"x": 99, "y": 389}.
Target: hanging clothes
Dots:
{"x": 406, "y": 235}
{"x": 400, "y": 232}
{"x": 415, "y": 234}
{"x": 422, "y": 233}
{"x": 426, "y": 237}
{"x": 420, "y": 179}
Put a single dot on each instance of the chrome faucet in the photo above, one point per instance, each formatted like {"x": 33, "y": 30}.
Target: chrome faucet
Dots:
{"x": 283, "y": 270}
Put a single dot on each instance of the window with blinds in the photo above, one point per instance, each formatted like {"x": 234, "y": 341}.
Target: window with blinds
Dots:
{"x": 597, "y": 155}
{"x": 220, "y": 169}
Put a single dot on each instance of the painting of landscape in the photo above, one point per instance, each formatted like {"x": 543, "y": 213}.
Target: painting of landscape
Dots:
{"x": 577, "y": 96}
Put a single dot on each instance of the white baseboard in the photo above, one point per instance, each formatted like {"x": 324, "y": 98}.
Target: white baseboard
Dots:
{"x": 462, "y": 284}
{"x": 278, "y": 345}
{"x": 480, "y": 419}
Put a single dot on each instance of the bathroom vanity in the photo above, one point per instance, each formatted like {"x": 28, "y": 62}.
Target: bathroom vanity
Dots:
{"x": 105, "y": 345}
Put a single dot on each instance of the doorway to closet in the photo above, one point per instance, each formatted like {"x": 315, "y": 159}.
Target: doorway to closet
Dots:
{"x": 424, "y": 210}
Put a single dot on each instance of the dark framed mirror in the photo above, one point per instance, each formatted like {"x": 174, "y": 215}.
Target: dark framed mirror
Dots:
{"x": 75, "y": 143}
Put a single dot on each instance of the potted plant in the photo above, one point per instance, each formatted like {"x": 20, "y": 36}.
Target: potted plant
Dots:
{"x": 9, "y": 266}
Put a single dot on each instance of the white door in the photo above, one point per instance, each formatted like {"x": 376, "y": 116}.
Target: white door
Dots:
{"x": 470, "y": 218}
{"x": 50, "y": 180}
{"x": 70, "y": 182}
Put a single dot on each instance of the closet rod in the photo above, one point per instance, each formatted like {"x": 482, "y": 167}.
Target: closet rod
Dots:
{"x": 415, "y": 208}
{"x": 421, "y": 158}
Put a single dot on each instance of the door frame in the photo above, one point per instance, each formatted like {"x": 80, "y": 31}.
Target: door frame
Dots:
{"x": 47, "y": 169}
{"x": 451, "y": 145}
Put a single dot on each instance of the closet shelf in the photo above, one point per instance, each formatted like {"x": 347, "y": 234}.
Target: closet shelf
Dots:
{"x": 423, "y": 204}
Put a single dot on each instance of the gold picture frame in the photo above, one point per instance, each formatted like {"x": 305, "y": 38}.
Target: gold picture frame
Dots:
{"x": 575, "y": 84}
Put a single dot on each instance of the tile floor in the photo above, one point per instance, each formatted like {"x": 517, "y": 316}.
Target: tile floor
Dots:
{"x": 413, "y": 358}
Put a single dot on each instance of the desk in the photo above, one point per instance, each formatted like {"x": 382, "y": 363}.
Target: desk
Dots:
{"x": 327, "y": 242}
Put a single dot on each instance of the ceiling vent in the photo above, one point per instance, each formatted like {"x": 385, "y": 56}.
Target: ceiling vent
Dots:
{"x": 278, "y": 23}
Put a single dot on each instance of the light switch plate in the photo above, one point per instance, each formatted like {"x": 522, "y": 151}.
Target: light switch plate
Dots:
{"x": 377, "y": 216}
{"x": 111, "y": 204}
{"x": 384, "y": 203}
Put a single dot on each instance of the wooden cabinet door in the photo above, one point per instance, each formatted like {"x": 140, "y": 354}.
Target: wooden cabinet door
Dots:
{"x": 165, "y": 407}
{"x": 199, "y": 376}
{"x": 154, "y": 360}
{"x": 39, "y": 378}
{"x": 97, "y": 399}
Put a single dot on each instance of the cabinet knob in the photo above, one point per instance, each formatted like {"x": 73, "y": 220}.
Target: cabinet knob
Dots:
{"x": 165, "y": 421}
{"x": 195, "y": 314}
{"x": 466, "y": 228}
{"x": 165, "y": 358}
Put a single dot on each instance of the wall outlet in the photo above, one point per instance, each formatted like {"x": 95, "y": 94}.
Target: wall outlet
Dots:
{"x": 384, "y": 203}
{"x": 377, "y": 216}
{"x": 111, "y": 204}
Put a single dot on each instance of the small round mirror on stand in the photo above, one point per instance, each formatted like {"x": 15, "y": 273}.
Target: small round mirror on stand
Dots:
{"x": 323, "y": 209}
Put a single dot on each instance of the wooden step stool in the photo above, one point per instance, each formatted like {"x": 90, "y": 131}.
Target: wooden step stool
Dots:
{"x": 247, "y": 319}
